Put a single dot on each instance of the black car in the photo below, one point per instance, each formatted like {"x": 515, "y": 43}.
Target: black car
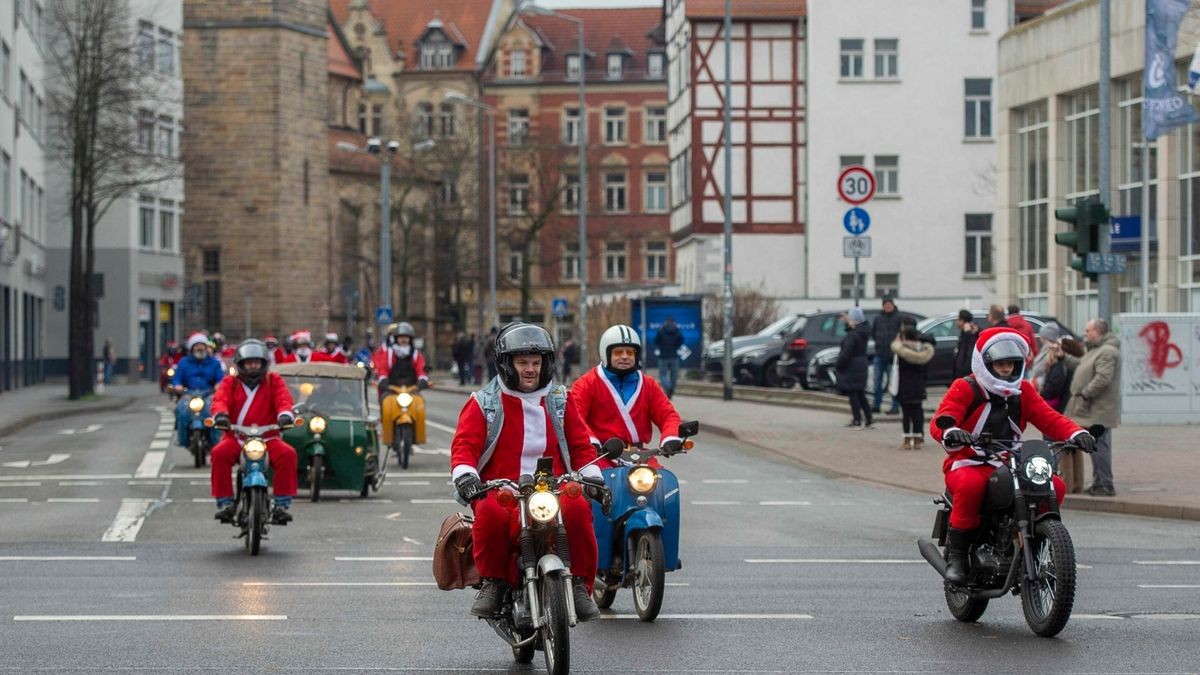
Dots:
{"x": 816, "y": 332}
{"x": 752, "y": 354}
{"x": 941, "y": 330}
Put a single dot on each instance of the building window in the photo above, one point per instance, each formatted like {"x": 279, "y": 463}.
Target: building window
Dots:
{"x": 978, "y": 14}
{"x": 614, "y": 261}
{"x": 570, "y": 126}
{"x": 850, "y": 160}
{"x": 614, "y": 192}
{"x": 424, "y": 126}
{"x": 516, "y": 63}
{"x": 572, "y": 66}
{"x": 1032, "y": 192}
{"x": 446, "y": 120}
{"x": 166, "y": 52}
{"x": 851, "y": 58}
{"x": 146, "y": 125}
{"x": 847, "y": 284}
{"x": 377, "y": 119}
{"x": 447, "y": 193}
{"x": 6, "y": 188}
{"x": 654, "y": 65}
{"x": 145, "y": 45}
{"x": 518, "y": 194}
{"x": 656, "y": 124}
{"x": 1082, "y": 144}
{"x": 437, "y": 56}
{"x": 166, "y": 225}
{"x": 570, "y": 203}
{"x": 979, "y": 245}
{"x": 570, "y": 262}
{"x": 615, "y": 61}
{"x": 614, "y": 125}
{"x": 212, "y": 261}
{"x": 362, "y": 117}
{"x": 656, "y": 260}
{"x": 515, "y": 260}
{"x": 887, "y": 58}
{"x": 166, "y": 137}
{"x": 656, "y": 192}
{"x": 887, "y": 175}
{"x": 212, "y": 303}
{"x": 518, "y": 125}
{"x": 887, "y": 285}
{"x": 146, "y": 231}
{"x": 978, "y": 92}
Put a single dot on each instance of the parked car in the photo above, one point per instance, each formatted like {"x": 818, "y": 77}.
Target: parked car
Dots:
{"x": 941, "y": 330}
{"x": 817, "y": 331}
{"x": 752, "y": 353}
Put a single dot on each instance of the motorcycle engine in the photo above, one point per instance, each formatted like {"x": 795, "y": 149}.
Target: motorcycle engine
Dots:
{"x": 521, "y": 617}
{"x": 988, "y": 564}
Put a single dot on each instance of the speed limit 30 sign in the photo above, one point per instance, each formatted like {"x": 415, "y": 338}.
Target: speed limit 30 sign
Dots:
{"x": 856, "y": 185}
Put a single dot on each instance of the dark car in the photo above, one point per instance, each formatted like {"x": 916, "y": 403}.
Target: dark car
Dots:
{"x": 752, "y": 354}
{"x": 818, "y": 331}
{"x": 941, "y": 330}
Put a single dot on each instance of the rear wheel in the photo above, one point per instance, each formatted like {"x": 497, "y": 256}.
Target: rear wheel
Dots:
{"x": 254, "y": 521}
{"x": 603, "y": 594}
{"x": 1047, "y": 599}
{"x": 316, "y": 470}
{"x": 556, "y": 643}
{"x": 649, "y": 570}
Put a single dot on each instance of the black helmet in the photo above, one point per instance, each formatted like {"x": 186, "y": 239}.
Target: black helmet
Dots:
{"x": 1006, "y": 350}
{"x": 517, "y": 339}
{"x": 252, "y": 349}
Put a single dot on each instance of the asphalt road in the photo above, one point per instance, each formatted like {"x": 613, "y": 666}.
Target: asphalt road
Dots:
{"x": 784, "y": 571}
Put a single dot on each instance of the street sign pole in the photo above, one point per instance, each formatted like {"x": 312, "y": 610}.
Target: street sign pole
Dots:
{"x": 856, "y": 288}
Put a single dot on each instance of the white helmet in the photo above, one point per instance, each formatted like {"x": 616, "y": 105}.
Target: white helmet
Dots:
{"x": 619, "y": 336}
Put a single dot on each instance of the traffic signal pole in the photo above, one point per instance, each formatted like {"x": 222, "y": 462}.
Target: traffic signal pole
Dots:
{"x": 1104, "y": 285}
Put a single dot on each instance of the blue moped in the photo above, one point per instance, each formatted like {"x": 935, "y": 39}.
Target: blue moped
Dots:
{"x": 639, "y": 538}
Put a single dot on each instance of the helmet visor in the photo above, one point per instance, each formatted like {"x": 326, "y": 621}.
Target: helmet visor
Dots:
{"x": 1005, "y": 350}
{"x": 525, "y": 339}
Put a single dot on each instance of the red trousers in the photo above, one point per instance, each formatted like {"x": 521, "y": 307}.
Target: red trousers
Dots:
{"x": 227, "y": 452}
{"x": 967, "y": 486}
{"x": 496, "y": 537}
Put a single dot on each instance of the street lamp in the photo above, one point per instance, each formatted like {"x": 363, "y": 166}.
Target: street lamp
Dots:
{"x": 455, "y": 97}
{"x": 534, "y": 9}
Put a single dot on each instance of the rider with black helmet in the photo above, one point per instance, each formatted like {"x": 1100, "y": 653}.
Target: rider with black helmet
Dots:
{"x": 399, "y": 362}
{"x": 525, "y": 415}
{"x": 255, "y": 397}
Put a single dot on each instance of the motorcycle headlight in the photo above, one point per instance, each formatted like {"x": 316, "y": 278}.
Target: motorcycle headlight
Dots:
{"x": 170, "y": 372}
{"x": 196, "y": 404}
{"x": 233, "y": 371}
{"x": 543, "y": 506}
{"x": 405, "y": 399}
{"x": 1038, "y": 470}
{"x": 642, "y": 479}
{"x": 317, "y": 425}
{"x": 254, "y": 449}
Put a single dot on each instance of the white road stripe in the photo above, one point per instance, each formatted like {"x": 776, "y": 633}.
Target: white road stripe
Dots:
{"x": 151, "y": 463}
{"x": 724, "y": 481}
{"x": 14, "y": 500}
{"x": 338, "y": 583}
{"x": 72, "y": 500}
{"x": 1168, "y": 585}
{"x": 785, "y": 503}
{"x": 716, "y": 503}
{"x": 401, "y": 558}
{"x": 198, "y": 482}
{"x": 202, "y": 500}
{"x": 408, "y": 482}
{"x": 128, "y": 521}
{"x": 360, "y": 500}
{"x": 102, "y": 476}
{"x": 154, "y": 617}
{"x": 711, "y": 617}
{"x": 1166, "y": 562}
{"x": 433, "y": 501}
{"x": 159, "y": 445}
{"x": 1085, "y": 617}
{"x": 830, "y": 561}
{"x": 23, "y": 484}
{"x": 163, "y": 434}
{"x": 439, "y": 427}
{"x": 412, "y": 541}
{"x": 148, "y": 482}
{"x": 77, "y": 483}
{"x": 180, "y": 474}
{"x": 67, "y": 558}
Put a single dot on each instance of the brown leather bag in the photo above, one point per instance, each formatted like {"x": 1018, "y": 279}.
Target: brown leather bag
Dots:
{"x": 454, "y": 556}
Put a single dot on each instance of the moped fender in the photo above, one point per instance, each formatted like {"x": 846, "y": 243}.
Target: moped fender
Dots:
{"x": 642, "y": 519}
{"x": 550, "y": 563}
{"x": 316, "y": 448}
{"x": 403, "y": 418}
{"x": 255, "y": 479}
{"x": 1052, "y": 514}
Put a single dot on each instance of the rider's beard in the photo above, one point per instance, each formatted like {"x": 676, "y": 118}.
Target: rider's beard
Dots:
{"x": 402, "y": 350}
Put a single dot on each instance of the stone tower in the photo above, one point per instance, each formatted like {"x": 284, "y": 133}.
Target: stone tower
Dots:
{"x": 256, "y": 225}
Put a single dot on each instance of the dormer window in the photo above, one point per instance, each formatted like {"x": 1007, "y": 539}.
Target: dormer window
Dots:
{"x": 517, "y": 67}
{"x": 572, "y": 66}
{"x": 615, "y": 63}
{"x": 437, "y": 56}
{"x": 654, "y": 65}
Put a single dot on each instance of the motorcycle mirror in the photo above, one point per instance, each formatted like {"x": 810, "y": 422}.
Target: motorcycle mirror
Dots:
{"x": 690, "y": 428}
{"x": 613, "y": 448}
{"x": 944, "y": 422}
{"x": 1096, "y": 430}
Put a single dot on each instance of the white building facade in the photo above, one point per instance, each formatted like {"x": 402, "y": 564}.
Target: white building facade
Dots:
{"x": 906, "y": 90}
{"x": 768, "y": 138}
{"x": 23, "y": 198}
{"x": 138, "y": 260}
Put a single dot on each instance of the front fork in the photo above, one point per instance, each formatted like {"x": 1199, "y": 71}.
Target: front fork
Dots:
{"x": 529, "y": 563}
{"x": 1024, "y": 529}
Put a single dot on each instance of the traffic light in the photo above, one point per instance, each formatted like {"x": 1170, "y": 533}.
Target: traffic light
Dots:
{"x": 1087, "y": 219}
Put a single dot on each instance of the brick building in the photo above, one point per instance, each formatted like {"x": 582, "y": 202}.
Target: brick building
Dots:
{"x": 533, "y": 84}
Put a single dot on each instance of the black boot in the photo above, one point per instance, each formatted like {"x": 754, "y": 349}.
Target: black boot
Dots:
{"x": 280, "y": 515}
{"x": 225, "y": 514}
{"x": 487, "y": 602}
{"x": 957, "y": 542}
{"x": 585, "y": 607}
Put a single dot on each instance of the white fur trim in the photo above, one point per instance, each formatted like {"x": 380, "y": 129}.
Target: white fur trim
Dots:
{"x": 622, "y": 407}
{"x": 250, "y": 394}
{"x": 533, "y": 445}
{"x": 462, "y": 470}
{"x": 663, "y": 441}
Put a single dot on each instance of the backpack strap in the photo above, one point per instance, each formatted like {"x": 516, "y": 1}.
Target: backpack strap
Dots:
{"x": 488, "y": 400}
{"x": 1014, "y": 402}
{"x": 556, "y": 404}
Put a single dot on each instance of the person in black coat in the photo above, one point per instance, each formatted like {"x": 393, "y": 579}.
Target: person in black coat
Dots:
{"x": 851, "y": 368}
{"x": 968, "y": 333}
{"x": 913, "y": 355}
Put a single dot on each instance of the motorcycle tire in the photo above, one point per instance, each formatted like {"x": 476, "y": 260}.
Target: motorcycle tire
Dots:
{"x": 603, "y": 594}
{"x": 649, "y": 572}
{"x": 254, "y": 521}
{"x": 963, "y": 607}
{"x": 365, "y": 491}
{"x": 316, "y": 470}
{"x": 197, "y": 448}
{"x": 406, "y": 445}
{"x": 1048, "y": 599}
{"x": 556, "y": 641}
{"x": 524, "y": 653}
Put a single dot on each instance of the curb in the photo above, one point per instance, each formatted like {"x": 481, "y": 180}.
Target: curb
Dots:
{"x": 68, "y": 412}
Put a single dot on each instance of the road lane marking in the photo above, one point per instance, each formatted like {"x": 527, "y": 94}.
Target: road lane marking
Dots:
{"x": 431, "y": 451}
{"x": 338, "y": 583}
{"x": 23, "y": 484}
{"x": 153, "y": 617}
{"x": 198, "y": 482}
{"x": 202, "y": 500}
{"x": 439, "y": 427}
{"x": 102, "y": 476}
{"x": 362, "y": 500}
{"x": 160, "y": 445}
{"x": 433, "y": 501}
{"x": 128, "y": 521}
{"x": 712, "y": 617}
{"x": 67, "y": 558}
{"x": 400, "y": 558}
{"x": 1168, "y": 585}
{"x": 72, "y": 500}
{"x": 54, "y": 458}
{"x": 716, "y": 503}
{"x": 151, "y": 464}
{"x": 1166, "y": 562}
{"x": 163, "y": 434}
{"x": 785, "y": 503}
{"x": 830, "y": 561}
{"x": 393, "y": 516}
{"x": 78, "y": 483}
{"x": 14, "y": 500}
{"x": 148, "y": 482}
{"x": 409, "y": 482}
{"x": 1086, "y": 617}
{"x": 412, "y": 541}
{"x": 181, "y": 474}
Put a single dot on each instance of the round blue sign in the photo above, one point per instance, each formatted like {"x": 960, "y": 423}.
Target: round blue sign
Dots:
{"x": 856, "y": 221}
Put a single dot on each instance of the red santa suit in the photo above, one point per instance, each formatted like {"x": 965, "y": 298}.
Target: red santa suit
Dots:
{"x": 608, "y": 416}
{"x": 384, "y": 357}
{"x": 967, "y": 469}
{"x": 336, "y": 356}
{"x": 260, "y": 406}
{"x": 527, "y": 435}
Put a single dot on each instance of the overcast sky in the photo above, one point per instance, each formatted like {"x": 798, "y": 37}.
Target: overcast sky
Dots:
{"x": 591, "y": 4}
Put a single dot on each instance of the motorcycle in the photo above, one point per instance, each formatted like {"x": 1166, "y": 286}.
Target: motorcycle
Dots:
{"x": 404, "y": 421}
{"x": 199, "y": 436}
{"x": 638, "y": 540}
{"x": 252, "y": 504}
{"x": 538, "y": 614}
{"x": 1021, "y": 545}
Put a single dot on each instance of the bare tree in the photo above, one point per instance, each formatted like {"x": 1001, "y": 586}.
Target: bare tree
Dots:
{"x": 95, "y": 89}
{"x": 753, "y": 310}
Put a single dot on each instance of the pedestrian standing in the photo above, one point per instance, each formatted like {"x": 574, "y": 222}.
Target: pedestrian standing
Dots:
{"x": 884, "y": 330}
{"x": 1096, "y": 398}
{"x": 476, "y": 359}
{"x": 968, "y": 333}
{"x": 110, "y": 359}
{"x": 461, "y": 351}
{"x": 570, "y": 356}
{"x": 489, "y": 353}
{"x": 913, "y": 355}
{"x": 667, "y": 342}
{"x": 851, "y": 368}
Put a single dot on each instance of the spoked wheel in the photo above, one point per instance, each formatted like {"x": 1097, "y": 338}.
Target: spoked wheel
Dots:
{"x": 406, "y": 445}
{"x": 1048, "y": 598}
{"x": 556, "y": 643}
{"x": 649, "y": 569}
{"x": 316, "y": 469}
{"x": 603, "y": 594}
{"x": 254, "y": 521}
{"x": 524, "y": 653}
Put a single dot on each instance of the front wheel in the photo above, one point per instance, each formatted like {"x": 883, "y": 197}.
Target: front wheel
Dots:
{"x": 198, "y": 449}
{"x": 963, "y": 607}
{"x": 1047, "y": 599}
{"x": 315, "y": 471}
{"x": 254, "y": 521}
{"x": 556, "y": 643}
{"x": 404, "y": 451}
{"x": 649, "y": 570}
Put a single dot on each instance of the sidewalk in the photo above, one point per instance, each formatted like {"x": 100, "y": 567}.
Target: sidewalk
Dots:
{"x": 1154, "y": 466}
{"x": 29, "y": 405}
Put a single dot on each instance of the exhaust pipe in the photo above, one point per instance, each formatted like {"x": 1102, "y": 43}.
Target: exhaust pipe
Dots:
{"x": 932, "y": 555}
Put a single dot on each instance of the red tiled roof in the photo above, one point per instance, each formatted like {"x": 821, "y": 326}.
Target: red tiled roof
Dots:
{"x": 627, "y": 31}
{"x": 350, "y": 161}
{"x": 748, "y": 9}
{"x": 340, "y": 61}
{"x": 405, "y": 21}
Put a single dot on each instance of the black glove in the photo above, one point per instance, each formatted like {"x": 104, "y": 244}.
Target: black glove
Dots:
{"x": 221, "y": 421}
{"x": 422, "y": 384}
{"x": 956, "y": 438}
{"x": 383, "y": 388}
{"x": 596, "y": 490}
{"x": 285, "y": 419}
{"x": 469, "y": 487}
{"x": 1085, "y": 442}
{"x": 672, "y": 447}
